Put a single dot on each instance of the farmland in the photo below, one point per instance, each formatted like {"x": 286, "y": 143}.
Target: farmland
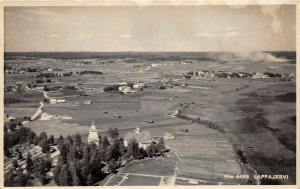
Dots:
{"x": 221, "y": 118}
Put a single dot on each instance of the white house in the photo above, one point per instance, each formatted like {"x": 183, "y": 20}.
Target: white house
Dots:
{"x": 168, "y": 136}
{"x": 142, "y": 137}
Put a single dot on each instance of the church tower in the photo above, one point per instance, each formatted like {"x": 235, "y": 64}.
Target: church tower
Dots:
{"x": 93, "y": 135}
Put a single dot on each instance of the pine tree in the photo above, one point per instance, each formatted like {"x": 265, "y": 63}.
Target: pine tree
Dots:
{"x": 77, "y": 140}
{"x": 100, "y": 140}
{"x": 69, "y": 140}
{"x": 57, "y": 170}
{"x": 64, "y": 152}
{"x": 150, "y": 150}
{"x": 51, "y": 140}
{"x": 89, "y": 181}
{"x": 72, "y": 170}
{"x": 15, "y": 164}
{"x": 44, "y": 144}
{"x": 112, "y": 165}
{"x": 121, "y": 146}
{"x": 29, "y": 163}
{"x": 9, "y": 179}
{"x": 40, "y": 167}
{"x": 60, "y": 142}
{"x": 65, "y": 176}
{"x": 43, "y": 135}
{"x": 133, "y": 149}
{"x": 105, "y": 142}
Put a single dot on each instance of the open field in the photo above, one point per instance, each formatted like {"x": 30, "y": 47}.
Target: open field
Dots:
{"x": 255, "y": 117}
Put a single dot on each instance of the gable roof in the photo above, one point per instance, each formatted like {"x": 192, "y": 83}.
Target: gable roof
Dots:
{"x": 141, "y": 136}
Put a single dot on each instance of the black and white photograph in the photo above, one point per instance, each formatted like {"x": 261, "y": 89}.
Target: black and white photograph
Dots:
{"x": 149, "y": 94}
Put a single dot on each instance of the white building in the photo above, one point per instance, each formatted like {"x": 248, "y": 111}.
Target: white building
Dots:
{"x": 168, "y": 136}
{"x": 52, "y": 101}
{"x": 93, "y": 135}
{"x": 142, "y": 137}
{"x": 125, "y": 89}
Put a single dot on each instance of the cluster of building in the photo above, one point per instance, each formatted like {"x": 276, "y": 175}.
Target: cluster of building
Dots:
{"x": 225, "y": 74}
{"x": 125, "y": 87}
{"x": 46, "y": 116}
{"x": 142, "y": 137}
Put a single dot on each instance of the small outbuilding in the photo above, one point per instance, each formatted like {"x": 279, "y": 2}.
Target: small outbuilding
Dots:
{"x": 168, "y": 136}
{"x": 87, "y": 102}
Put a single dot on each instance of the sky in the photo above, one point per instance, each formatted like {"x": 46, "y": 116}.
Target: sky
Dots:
{"x": 150, "y": 28}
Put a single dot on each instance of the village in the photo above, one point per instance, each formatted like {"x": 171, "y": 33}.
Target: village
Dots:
{"x": 162, "y": 103}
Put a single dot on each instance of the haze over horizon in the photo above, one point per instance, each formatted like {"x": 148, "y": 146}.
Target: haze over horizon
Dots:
{"x": 150, "y": 29}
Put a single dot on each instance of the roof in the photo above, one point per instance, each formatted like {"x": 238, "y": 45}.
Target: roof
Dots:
{"x": 168, "y": 134}
{"x": 93, "y": 127}
{"x": 141, "y": 136}
{"x": 93, "y": 135}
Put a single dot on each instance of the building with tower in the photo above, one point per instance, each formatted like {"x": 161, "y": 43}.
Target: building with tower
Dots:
{"x": 93, "y": 135}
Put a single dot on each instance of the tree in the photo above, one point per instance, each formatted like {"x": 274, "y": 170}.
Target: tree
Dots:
{"x": 100, "y": 139}
{"x": 121, "y": 146}
{"x": 133, "y": 149}
{"x": 51, "y": 140}
{"x": 57, "y": 170}
{"x": 105, "y": 142}
{"x": 30, "y": 138}
{"x": 112, "y": 165}
{"x": 150, "y": 150}
{"x": 35, "y": 140}
{"x": 69, "y": 140}
{"x": 73, "y": 172}
{"x": 72, "y": 153}
{"x": 113, "y": 133}
{"x": 65, "y": 178}
{"x": 60, "y": 141}
{"x": 44, "y": 144}
{"x": 43, "y": 135}
{"x": 29, "y": 163}
{"x": 115, "y": 150}
{"x": 9, "y": 179}
{"x": 64, "y": 153}
{"x": 89, "y": 180}
{"x": 15, "y": 164}
{"x": 12, "y": 127}
{"x": 161, "y": 146}
{"x": 77, "y": 140}
{"x": 40, "y": 169}
{"x": 48, "y": 161}
{"x": 20, "y": 178}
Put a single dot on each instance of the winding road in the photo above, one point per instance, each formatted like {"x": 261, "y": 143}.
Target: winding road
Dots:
{"x": 40, "y": 108}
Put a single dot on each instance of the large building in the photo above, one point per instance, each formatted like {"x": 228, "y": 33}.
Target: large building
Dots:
{"x": 142, "y": 137}
{"x": 93, "y": 135}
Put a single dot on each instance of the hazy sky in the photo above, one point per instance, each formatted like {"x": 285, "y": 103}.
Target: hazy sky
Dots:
{"x": 155, "y": 28}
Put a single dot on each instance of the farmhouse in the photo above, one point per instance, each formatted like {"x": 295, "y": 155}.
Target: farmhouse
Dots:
{"x": 142, "y": 137}
{"x": 55, "y": 101}
{"x": 168, "y": 136}
{"x": 125, "y": 89}
{"x": 87, "y": 102}
{"x": 93, "y": 135}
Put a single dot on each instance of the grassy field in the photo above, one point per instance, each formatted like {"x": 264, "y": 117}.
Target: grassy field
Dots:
{"x": 133, "y": 180}
{"x": 152, "y": 166}
{"x": 256, "y": 116}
